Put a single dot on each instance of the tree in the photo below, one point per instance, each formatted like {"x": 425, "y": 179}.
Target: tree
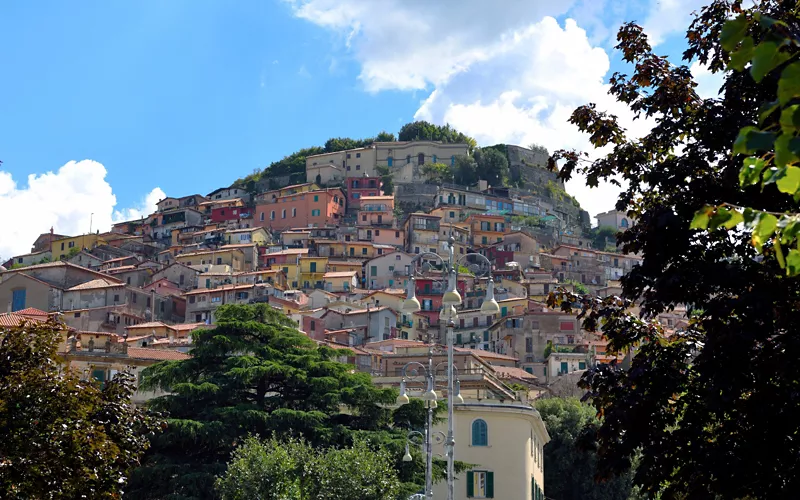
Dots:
{"x": 699, "y": 403}
{"x": 384, "y": 136}
{"x": 538, "y": 148}
{"x": 386, "y": 179}
{"x": 465, "y": 171}
{"x": 293, "y": 470}
{"x": 424, "y": 131}
{"x": 254, "y": 373}
{"x": 492, "y": 166}
{"x": 569, "y": 469}
{"x": 437, "y": 173}
{"x": 600, "y": 236}
{"x": 61, "y": 437}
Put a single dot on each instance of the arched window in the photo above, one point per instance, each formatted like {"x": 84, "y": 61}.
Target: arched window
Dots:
{"x": 262, "y": 216}
{"x": 623, "y": 223}
{"x": 272, "y": 215}
{"x": 480, "y": 433}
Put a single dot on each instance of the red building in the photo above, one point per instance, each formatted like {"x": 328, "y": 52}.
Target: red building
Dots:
{"x": 225, "y": 214}
{"x": 361, "y": 186}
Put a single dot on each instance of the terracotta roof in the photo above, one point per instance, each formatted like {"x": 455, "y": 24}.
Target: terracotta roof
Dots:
{"x": 98, "y": 334}
{"x": 289, "y": 251}
{"x": 201, "y": 252}
{"x": 245, "y": 230}
{"x": 150, "y": 324}
{"x": 16, "y": 319}
{"x": 188, "y": 326}
{"x": 118, "y": 259}
{"x": 95, "y": 284}
{"x": 485, "y": 354}
{"x": 156, "y": 354}
{"x": 513, "y": 372}
{"x": 32, "y": 311}
{"x": 340, "y": 274}
{"x": 237, "y": 245}
{"x": 120, "y": 269}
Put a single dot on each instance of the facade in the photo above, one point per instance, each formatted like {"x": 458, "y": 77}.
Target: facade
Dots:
{"x": 506, "y": 442}
{"x": 352, "y": 162}
{"x": 614, "y": 218}
{"x": 404, "y": 159}
{"x": 342, "y": 281}
{"x": 253, "y": 235}
{"x": 487, "y": 229}
{"x": 376, "y": 211}
{"x": 29, "y": 259}
{"x": 228, "y": 193}
{"x": 201, "y": 303}
{"x": 61, "y": 248}
{"x": 305, "y": 209}
{"x": 388, "y": 271}
{"x": 359, "y": 187}
{"x": 422, "y": 233}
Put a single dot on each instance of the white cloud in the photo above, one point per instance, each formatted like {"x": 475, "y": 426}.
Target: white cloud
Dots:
{"x": 147, "y": 205}
{"x": 670, "y": 16}
{"x": 67, "y": 200}
{"x": 500, "y": 73}
{"x": 708, "y": 83}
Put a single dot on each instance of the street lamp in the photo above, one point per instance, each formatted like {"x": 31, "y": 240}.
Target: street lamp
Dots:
{"x": 450, "y": 301}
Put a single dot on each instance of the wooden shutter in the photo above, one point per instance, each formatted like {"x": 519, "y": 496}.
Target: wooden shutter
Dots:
{"x": 490, "y": 485}
{"x": 470, "y": 484}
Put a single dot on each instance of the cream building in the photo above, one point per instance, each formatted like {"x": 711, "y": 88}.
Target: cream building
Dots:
{"x": 614, "y": 218}
{"x": 505, "y": 442}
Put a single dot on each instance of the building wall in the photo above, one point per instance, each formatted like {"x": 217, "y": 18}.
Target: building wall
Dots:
{"x": 387, "y": 271}
{"x": 614, "y": 218}
{"x": 184, "y": 277}
{"x": 37, "y": 294}
{"x": 516, "y": 436}
{"x": 31, "y": 258}
{"x": 61, "y": 248}
{"x": 315, "y": 208}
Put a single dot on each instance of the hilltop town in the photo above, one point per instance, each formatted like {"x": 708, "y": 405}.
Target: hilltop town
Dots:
{"x": 335, "y": 253}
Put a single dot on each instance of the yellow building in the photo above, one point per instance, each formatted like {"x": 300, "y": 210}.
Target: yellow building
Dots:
{"x": 506, "y": 444}
{"x": 292, "y": 272}
{"x": 312, "y": 270}
{"x": 487, "y": 229}
{"x": 62, "y": 247}
{"x": 340, "y": 281}
{"x": 232, "y": 257}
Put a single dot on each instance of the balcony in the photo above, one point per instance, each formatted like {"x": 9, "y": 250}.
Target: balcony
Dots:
{"x": 375, "y": 208}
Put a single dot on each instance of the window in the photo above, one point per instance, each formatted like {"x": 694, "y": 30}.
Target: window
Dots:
{"x": 261, "y": 216}
{"x": 389, "y": 161}
{"x": 373, "y": 270}
{"x": 18, "y": 300}
{"x": 133, "y": 297}
{"x": 480, "y": 433}
{"x": 397, "y": 235}
{"x": 348, "y": 168}
{"x": 581, "y": 365}
{"x": 71, "y": 244}
{"x": 316, "y": 197}
{"x": 283, "y": 213}
{"x": 219, "y": 261}
{"x": 356, "y": 196}
{"x": 348, "y": 156}
{"x": 77, "y": 315}
{"x": 148, "y": 302}
{"x": 566, "y": 326}
{"x": 408, "y": 159}
{"x": 216, "y": 299}
{"x": 452, "y": 215}
{"x": 313, "y": 326}
{"x": 358, "y": 167}
{"x": 242, "y": 295}
{"x": 272, "y": 215}
{"x": 294, "y": 212}
{"x": 313, "y": 267}
{"x": 363, "y": 218}
{"x": 315, "y": 213}
{"x": 62, "y": 245}
{"x": 364, "y": 251}
{"x": 358, "y": 155}
{"x": 377, "y": 232}
{"x": 191, "y": 299}
{"x": 480, "y": 484}
{"x": 528, "y": 345}
{"x": 116, "y": 297}
{"x": 421, "y": 159}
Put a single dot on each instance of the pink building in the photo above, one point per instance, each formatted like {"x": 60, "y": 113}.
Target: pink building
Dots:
{"x": 321, "y": 208}
{"x": 358, "y": 187}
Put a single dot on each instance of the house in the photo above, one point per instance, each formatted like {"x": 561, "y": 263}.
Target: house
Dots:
{"x": 321, "y": 298}
{"x": 163, "y": 286}
{"x": 44, "y": 241}
{"x": 233, "y": 257}
{"x": 86, "y": 259}
{"x": 404, "y": 158}
{"x": 352, "y": 162}
{"x": 325, "y": 174}
{"x": 29, "y": 259}
{"x": 382, "y": 235}
{"x": 388, "y": 271}
{"x": 201, "y": 303}
{"x": 170, "y": 203}
{"x": 294, "y": 238}
{"x": 505, "y": 442}
{"x": 486, "y": 229}
{"x": 342, "y": 281}
{"x": 250, "y": 252}
{"x": 367, "y": 325}
{"x": 272, "y": 195}
{"x": 228, "y": 193}
{"x": 70, "y": 245}
{"x": 182, "y": 275}
{"x": 229, "y": 210}
{"x": 135, "y": 276}
{"x": 359, "y": 187}
{"x": 280, "y": 257}
{"x": 310, "y": 208}
{"x": 376, "y": 211}
{"x": 247, "y": 236}
{"x": 159, "y": 329}
{"x": 422, "y": 233}
{"x": 312, "y": 271}
{"x": 516, "y": 246}
{"x": 614, "y": 218}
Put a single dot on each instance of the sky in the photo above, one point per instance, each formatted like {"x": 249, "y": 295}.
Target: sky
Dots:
{"x": 107, "y": 107}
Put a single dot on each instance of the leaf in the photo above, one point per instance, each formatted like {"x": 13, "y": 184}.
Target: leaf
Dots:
{"x": 765, "y": 227}
{"x": 750, "y": 173}
{"x": 779, "y": 252}
{"x": 793, "y": 262}
{"x": 784, "y": 154}
{"x": 790, "y": 119}
{"x": 790, "y": 180}
{"x": 789, "y": 83}
{"x": 765, "y": 110}
{"x": 724, "y": 217}
{"x": 751, "y": 139}
{"x": 701, "y": 218}
{"x": 741, "y": 57}
{"x": 770, "y": 175}
{"x": 732, "y": 32}
{"x": 766, "y": 57}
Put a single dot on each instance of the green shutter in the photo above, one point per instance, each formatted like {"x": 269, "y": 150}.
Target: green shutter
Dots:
{"x": 504, "y": 311}
{"x": 458, "y": 339}
{"x": 373, "y": 270}
{"x": 99, "y": 375}
{"x": 490, "y": 485}
{"x": 486, "y": 336}
{"x": 470, "y": 484}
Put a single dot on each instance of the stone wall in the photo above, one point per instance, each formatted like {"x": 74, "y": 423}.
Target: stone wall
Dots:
{"x": 414, "y": 197}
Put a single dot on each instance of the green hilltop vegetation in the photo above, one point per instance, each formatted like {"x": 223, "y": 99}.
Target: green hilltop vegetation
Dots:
{"x": 295, "y": 163}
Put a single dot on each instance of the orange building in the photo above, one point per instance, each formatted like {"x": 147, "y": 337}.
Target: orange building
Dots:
{"x": 486, "y": 229}
{"x": 324, "y": 207}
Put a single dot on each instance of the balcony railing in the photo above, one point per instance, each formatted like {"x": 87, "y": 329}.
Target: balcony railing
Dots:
{"x": 375, "y": 208}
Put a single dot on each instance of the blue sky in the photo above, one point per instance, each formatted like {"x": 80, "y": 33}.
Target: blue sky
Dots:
{"x": 185, "y": 96}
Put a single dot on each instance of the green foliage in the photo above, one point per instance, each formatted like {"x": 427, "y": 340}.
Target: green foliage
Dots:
{"x": 528, "y": 220}
{"x": 293, "y": 470}
{"x": 538, "y": 148}
{"x": 568, "y": 469}
{"x": 578, "y": 286}
{"x": 254, "y": 373}
{"x": 60, "y": 437}
{"x": 600, "y": 236}
{"x": 422, "y": 130}
{"x": 437, "y": 173}
{"x": 772, "y": 147}
{"x": 384, "y": 136}
{"x": 386, "y": 179}
{"x": 492, "y": 166}
{"x": 343, "y": 143}
{"x": 73, "y": 252}
{"x": 465, "y": 171}
{"x": 697, "y": 406}
{"x": 556, "y": 192}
